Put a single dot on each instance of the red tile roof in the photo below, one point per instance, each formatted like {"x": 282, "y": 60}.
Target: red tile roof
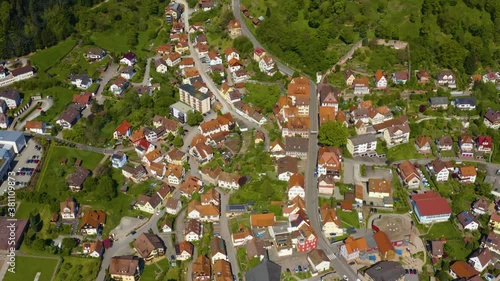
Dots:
{"x": 431, "y": 203}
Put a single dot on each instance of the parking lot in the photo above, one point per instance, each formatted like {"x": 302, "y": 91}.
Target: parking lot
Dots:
{"x": 25, "y": 165}
{"x": 295, "y": 263}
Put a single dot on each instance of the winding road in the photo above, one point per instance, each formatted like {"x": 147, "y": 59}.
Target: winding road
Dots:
{"x": 311, "y": 182}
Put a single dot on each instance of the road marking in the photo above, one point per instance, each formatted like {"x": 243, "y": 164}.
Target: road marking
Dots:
{"x": 37, "y": 276}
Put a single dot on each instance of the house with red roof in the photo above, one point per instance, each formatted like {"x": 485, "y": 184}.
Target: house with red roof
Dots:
{"x": 484, "y": 143}
{"x": 430, "y": 207}
{"x": 123, "y": 130}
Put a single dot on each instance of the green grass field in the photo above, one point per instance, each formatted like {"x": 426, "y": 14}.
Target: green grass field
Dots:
{"x": 444, "y": 229}
{"x": 349, "y": 219}
{"x": 74, "y": 268}
{"x": 44, "y": 59}
{"x": 263, "y": 96}
{"x": 28, "y": 267}
{"x": 403, "y": 151}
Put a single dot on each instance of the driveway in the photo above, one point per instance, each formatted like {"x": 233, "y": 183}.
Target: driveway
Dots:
{"x": 145, "y": 80}
{"x": 46, "y": 104}
{"x": 106, "y": 76}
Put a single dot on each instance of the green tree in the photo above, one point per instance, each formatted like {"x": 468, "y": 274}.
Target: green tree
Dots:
{"x": 470, "y": 64}
{"x": 243, "y": 45}
{"x": 333, "y": 133}
{"x": 194, "y": 118}
{"x": 178, "y": 142}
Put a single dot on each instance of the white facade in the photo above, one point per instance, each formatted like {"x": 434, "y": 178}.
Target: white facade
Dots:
{"x": 192, "y": 236}
{"x": 295, "y": 191}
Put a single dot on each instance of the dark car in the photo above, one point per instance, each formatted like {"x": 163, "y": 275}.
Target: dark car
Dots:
{"x": 172, "y": 258}
{"x": 300, "y": 268}
{"x": 288, "y": 270}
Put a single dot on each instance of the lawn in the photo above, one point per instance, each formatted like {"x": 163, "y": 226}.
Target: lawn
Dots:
{"x": 444, "y": 229}
{"x": 154, "y": 271}
{"x": 263, "y": 96}
{"x": 75, "y": 268}
{"x": 28, "y": 267}
{"x": 76, "y": 63}
{"x": 261, "y": 192}
{"x": 236, "y": 222}
{"x": 172, "y": 274}
{"x": 61, "y": 97}
{"x": 403, "y": 152}
{"x": 47, "y": 58}
{"x": 349, "y": 219}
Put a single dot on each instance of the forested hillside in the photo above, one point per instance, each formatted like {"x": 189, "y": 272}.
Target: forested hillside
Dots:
{"x": 28, "y": 25}
{"x": 457, "y": 34}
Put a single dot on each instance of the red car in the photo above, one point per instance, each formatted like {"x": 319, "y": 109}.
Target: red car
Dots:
{"x": 39, "y": 108}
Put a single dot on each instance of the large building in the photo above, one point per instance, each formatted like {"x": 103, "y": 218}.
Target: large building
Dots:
{"x": 125, "y": 268}
{"x": 6, "y": 232}
{"x": 430, "y": 207}
{"x": 180, "y": 111}
{"x": 195, "y": 99}
{"x": 13, "y": 139}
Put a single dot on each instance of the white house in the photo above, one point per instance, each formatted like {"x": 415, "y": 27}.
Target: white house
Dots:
{"x": 296, "y": 186}
{"x": 127, "y": 73}
{"x": 481, "y": 259}
{"x": 183, "y": 250}
{"x": 93, "y": 249}
{"x": 161, "y": 66}
{"x": 266, "y": 65}
{"x": 331, "y": 223}
{"x": 380, "y": 79}
{"x": 193, "y": 231}
{"x": 318, "y": 260}
{"x": 166, "y": 227}
{"x": 118, "y": 159}
{"x": 228, "y": 180}
{"x": 468, "y": 221}
{"x": 215, "y": 58}
{"x": 173, "y": 206}
{"x": 129, "y": 59}
{"x": 231, "y": 53}
{"x": 148, "y": 204}
{"x": 81, "y": 81}
{"x": 379, "y": 188}
{"x": 218, "y": 249}
{"x": 439, "y": 170}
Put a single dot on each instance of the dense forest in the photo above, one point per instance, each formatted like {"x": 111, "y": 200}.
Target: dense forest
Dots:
{"x": 28, "y": 25}
{"x": 455, "y": 34}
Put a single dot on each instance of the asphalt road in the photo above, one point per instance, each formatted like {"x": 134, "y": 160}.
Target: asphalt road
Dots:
{"x": 225, "y": 233}
{"x": 110, "y": 72}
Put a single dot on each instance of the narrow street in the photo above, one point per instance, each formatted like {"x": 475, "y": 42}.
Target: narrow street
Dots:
{"x": 110, "y": 72}
{"x": 225, "y": 233}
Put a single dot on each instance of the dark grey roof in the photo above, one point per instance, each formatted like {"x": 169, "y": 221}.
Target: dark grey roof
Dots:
{"x": 296, "y": 144}
{"x": 265, "y": 271}
{"x": 470, "y": 101}
{"x": 188, "y": 88}
{"x": 10, "y": 94}
{"x": 236, "y": 208}
{"x": 438, "y": 100}
{"x": 386, "y": 271}
{"x": 84, "y": 77}
{"x": 363, "y": 139}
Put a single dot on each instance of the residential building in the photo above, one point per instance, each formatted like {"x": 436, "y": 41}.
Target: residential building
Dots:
{"x": 266, "y": 270}
{"x": 83, "y": 99}
{"x": 326, "y": 184}
{"x": 400, "y": 77}
{"x": 149, "y": 246}
{"x": 467, "y": 174}
{"x": 118, "y": 86}
{"x": 173, "y": 206}
{"x": 423, "y": 76}
{"x": 437, "y": 248}
{"x": 379, "y": 188}
{"x": 361, "y": 86}
{"x": 201, "y": 269}
{"x": 296, "y": 186}
{"x": 262, "y": 220}
{"x": 122, "y": 131}
{"x": 462, "y": 270}
{"x": 93, "y": 249}
{"x": 36, "y": 127}
{"x": 468, "y": 221}
{"x": 92, "y": 222}
{"x": 362, "y": 145}
{"x": 95, "y": 54}
{"x": 118, "y": 159}
{"x": 331, "y": 223}
{"x": 480, "y": 206}
{"x": 148, "y": 204}
{"x": 11, "y": 97}
{"x": 296, "y": 147}
{"x": 409, "y": 174}
{"x": 329, "y": 161}
{"x": 234, "y": 28}
{"x": 193, "y": 230}
{"x": 68, "y": 209}
{"x": 318, "y": 260}
{"x": 167, "y": 226}
{"x": 190, "y": 186}
{"x": 266, "y": 65}
{"x": 446, "y": 78}
{"x": 423, "y": 144}
{"x": 180, "y": 111}
{"x": 380, "y": 79}
{"x": 128, "y": 59}
{"x": 183, "y": 250}
{"x": 438, "y": 102}
{"x": 221, "y": 271}
{"x": 197, "y": 100}
{"x": 466, "y": 144}
{"x": 349, "y": 77}
{"x": 464, "y": 103}
{"x": 231, "y": 53}
{"x": 492, "y": 119}
{"x": 124, "y": 268}
{"x": 397, "y": 134}
{"x": 69, "y": 117}
{"x": 351, "y": 248}
{"x": 444, "y": 143}
{"x": 484, "y": 144}
{"x": 81, "y": 81}
{"x": 430, "y": 207}
{"x": 492, "y": 242}
{"x": 229, "y": 180}
{"x": 242, "y": 237}
{"x": 438, "y": 169}
{"x": 218, "y": 249}
{"x": 385, "y": 271}
{"x": 384, "y": 245}
{"x": 77, "y": 178}
{"x": 481, "y": 259}
{"x": 287, "y": 166}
